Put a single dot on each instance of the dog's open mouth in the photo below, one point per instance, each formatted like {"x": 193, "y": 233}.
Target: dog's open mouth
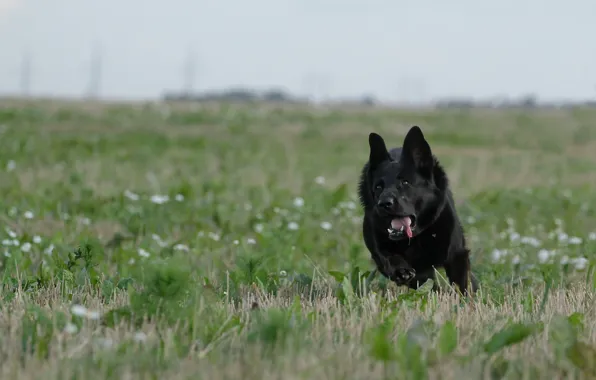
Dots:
{"x": 401, "y": 226}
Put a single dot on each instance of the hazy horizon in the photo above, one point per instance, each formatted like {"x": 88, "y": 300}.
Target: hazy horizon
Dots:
{"x": 395, "y": 51}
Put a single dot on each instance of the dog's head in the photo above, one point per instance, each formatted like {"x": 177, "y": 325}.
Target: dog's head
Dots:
{"x": 402, "y": 188}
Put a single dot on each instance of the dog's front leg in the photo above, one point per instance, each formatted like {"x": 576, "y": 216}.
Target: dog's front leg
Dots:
{"x": 396, "y": 268}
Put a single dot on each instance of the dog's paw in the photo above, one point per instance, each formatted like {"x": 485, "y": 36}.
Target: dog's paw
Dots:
{"x": 402, "y": 276}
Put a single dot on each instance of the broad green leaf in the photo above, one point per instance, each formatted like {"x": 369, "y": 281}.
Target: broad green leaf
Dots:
{"x": 583, "y": 356}
{"x": 447, "y": 338}
{"x": 338, "y": 276}
{"x": 510, "y": 335}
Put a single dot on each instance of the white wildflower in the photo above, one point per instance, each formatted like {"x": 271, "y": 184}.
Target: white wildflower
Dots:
{"x": 26, "y": 247}
{"x": 37, "y": 239}
{"x": 530, "y": 240}
{"x": 140, "y": 337}
{"x": 94, "y": 315}
{"x": 292, "y": 226}
{"x": 11, "y": 233}
{"x": 49, "y": 249}
{"x": 214, "y": 236}
{"x": 79, "y": 310}
{"x": 580, "y": 263}
{"x": 11, "y": 165}
{"x": 143, "y": 253}
{"x": 259, "y": 228}
{"x": 326, "y": 226}
{"x": 544, "y": 255}
{"x": 350, "y": 205}
{"x": 105, "y": 342}
{"x": 28, "y": 214}
{"x": 497, "y": 254}
{"x": 236, "y": 242}
{"x": 298, "y": 202}
{"x": 592, "y": 236}
{"x": 179, "y": 197}
{"x": 82, "y": 311}
{"x": 159, "y": 199}
{"x": 563, "y": 237}
{"x": 181, "y": 247}
{"x": 71, "y": 328}
{"x": 575, "y": 240}
{"x": 514, "y": 236}
{"x": 130, "y": 195}
{"x": 283, "y": 273}
{"x": 251, "y": 241}
{"x": 320, "y": 180}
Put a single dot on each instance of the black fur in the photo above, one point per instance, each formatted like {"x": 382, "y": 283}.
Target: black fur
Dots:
{"x": 411, "y": 182}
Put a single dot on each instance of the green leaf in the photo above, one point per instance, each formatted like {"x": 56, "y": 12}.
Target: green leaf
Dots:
{"x": 510, "y": 335}
{"x": 338, "y": 276}
{"x": 107, "y": 289}
{"x": 114, "y": 317}
{"x": 347, "y": 288}
{"x": 380, "y": 345}
{"x": 583, "y": 356}
{"x": 427, "y": 287}
{"x": 577, "y": 321}
{"x": 561, "y": 332}
{"x": 338, "y": 194}
{"x": 124, "y": 283}
{"x": 447, "y": 338}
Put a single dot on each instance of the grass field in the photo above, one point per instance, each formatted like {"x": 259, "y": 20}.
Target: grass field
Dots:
{"x": 154, "y": 241}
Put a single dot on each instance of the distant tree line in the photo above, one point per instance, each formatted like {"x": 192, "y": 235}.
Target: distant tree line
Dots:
{"x": 281, "y": 96}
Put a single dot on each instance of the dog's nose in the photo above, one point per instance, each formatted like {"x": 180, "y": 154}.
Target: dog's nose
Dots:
{"x": 386, "y": 204}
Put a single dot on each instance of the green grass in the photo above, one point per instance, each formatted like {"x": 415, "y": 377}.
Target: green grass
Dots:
{"x": 224, "y": 242}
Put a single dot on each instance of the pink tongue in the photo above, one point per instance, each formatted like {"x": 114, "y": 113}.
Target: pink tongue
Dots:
{"x": 397, "y": 224}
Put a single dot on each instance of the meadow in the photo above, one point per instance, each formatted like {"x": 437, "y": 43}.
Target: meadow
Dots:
{"x": 223, "y": 241}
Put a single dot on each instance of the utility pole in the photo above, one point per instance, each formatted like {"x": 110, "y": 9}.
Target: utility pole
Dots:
{"x": 189, "y": 72}
{"x": 317, "y": 84}
{"x": 95, "y": 72}
{"x": 25, "y": 74}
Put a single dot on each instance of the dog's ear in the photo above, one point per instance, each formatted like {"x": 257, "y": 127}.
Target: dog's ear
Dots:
{"x": 378, "y": 150}
{"x": 417, "y": 149}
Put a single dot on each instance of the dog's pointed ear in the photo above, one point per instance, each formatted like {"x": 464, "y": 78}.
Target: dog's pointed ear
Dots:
{"x": 416, "y": 148}
{"x": 378, "y": 150}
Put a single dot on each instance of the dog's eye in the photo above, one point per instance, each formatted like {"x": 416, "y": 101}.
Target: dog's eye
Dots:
{"x": 405, "y": 182}
{"x": 378, "y": 188}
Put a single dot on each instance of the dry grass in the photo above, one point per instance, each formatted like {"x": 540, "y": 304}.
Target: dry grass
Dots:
{"x": 335, "y": 345}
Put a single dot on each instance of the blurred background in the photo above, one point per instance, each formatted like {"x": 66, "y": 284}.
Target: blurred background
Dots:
{"x": 463, "y": 52}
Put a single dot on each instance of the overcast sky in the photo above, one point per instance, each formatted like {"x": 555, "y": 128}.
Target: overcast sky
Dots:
{"x": 394, "y": 49}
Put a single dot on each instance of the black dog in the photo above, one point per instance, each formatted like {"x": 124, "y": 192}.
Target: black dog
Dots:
{"x": 410, "y": 223}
